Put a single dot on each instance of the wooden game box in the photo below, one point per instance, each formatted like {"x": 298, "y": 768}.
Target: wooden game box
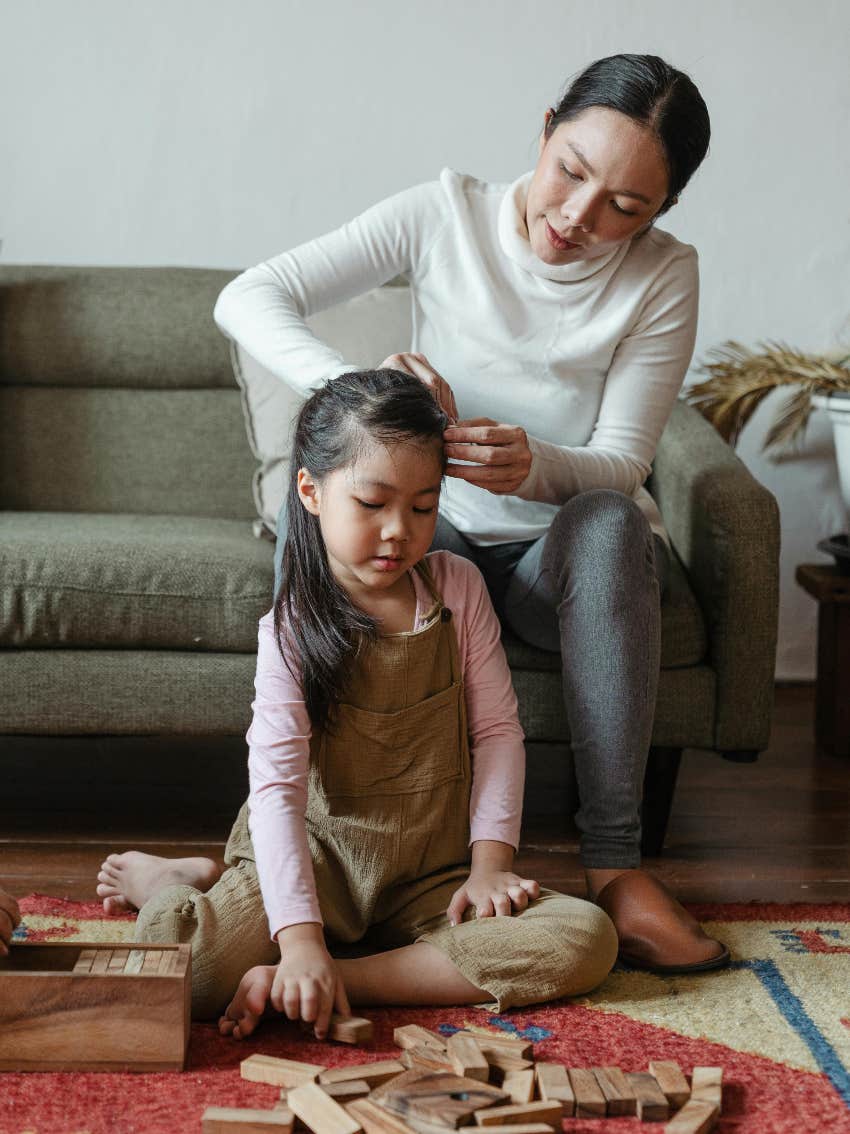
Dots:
{"x": 95, "y": 1007}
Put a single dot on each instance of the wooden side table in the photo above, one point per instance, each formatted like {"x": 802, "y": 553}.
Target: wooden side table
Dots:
{"x": 832, "y": 696}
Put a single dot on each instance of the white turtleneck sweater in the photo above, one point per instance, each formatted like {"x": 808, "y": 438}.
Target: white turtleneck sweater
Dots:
{"x": 587, "y": 357}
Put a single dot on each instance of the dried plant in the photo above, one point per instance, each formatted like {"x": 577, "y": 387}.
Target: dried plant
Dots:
{"x": 740, "y": 379}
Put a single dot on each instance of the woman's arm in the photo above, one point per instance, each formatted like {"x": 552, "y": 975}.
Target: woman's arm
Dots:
{"x": 279, "y": 742}
{"x": 641, "y": 386}
{"x": 264, "y": 308}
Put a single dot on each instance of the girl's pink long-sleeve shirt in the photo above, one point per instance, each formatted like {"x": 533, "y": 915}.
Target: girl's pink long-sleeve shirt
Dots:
{"x": 279, "y": 744}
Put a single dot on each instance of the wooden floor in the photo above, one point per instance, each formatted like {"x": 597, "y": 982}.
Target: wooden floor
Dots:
{"x": 776, "y": 830}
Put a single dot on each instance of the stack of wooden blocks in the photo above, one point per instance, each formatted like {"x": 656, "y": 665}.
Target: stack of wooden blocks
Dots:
{"x": 473, "y": 1077}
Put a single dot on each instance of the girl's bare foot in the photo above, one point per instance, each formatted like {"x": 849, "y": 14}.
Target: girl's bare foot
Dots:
{"x": 126, "y": 881}
{"x": 247, "y": 1007}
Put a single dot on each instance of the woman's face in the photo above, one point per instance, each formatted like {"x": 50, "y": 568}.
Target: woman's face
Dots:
{"x": 600, "y": 178}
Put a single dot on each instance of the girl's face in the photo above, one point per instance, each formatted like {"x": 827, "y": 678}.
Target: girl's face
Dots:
{"x": 600, "y": 178}
{"x": 378, "y": 515}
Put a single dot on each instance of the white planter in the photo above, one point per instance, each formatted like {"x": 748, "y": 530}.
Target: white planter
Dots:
{"x": 838, "y": 407}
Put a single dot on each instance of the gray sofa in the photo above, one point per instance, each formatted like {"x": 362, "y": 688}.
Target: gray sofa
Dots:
{"x": 132, "y": 581}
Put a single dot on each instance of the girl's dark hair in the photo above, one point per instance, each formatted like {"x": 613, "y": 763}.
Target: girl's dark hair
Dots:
{"x": 651, "y": 92}
{"x": 313, "y": 613}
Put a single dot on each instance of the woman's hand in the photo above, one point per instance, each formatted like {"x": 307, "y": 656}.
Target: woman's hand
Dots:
{"x": 418, "y": 366}
{"x": 501, "y": 454}
{"x": 494, "y": 893}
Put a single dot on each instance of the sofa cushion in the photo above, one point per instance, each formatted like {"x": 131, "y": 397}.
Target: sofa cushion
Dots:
{"x": 365, "y": 331}
{"x": 103, "y": 450}
{"x": 147, "y": 582}
{"x": 683, "y": 638}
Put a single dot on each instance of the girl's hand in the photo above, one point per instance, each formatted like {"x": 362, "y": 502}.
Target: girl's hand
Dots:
{"x": 419, "y": 367}
{"x": 304, "y": 985}
{"x": 307, "y": 986}
{"x": 10, "y": 919}
{"x": 501, "y": 454}
{"x": 494, "y": 893}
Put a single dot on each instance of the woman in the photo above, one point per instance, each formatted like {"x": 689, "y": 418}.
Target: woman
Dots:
{"x": 555, "y": 325}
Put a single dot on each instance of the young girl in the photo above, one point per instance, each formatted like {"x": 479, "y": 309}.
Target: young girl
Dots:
{"x": 384, "y": 744}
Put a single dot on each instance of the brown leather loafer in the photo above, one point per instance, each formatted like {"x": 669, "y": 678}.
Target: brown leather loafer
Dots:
{"x": 656, "y": 932}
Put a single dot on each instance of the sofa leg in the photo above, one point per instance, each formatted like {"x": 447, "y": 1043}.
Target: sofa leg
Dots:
{"x": 659, "y": 784}
{"x": 741, "y": 755}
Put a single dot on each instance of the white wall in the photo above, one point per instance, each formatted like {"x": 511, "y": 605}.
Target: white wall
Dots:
{"x": 217, "y": 133}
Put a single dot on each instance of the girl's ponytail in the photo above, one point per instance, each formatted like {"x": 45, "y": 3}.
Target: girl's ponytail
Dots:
{"x": 313, "y": 614}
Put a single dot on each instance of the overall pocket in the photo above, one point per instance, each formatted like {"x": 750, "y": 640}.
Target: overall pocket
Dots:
{"x": 385, "y": 754}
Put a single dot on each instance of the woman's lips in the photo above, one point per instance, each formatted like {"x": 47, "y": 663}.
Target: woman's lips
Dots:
{"x": 559, "y": 242}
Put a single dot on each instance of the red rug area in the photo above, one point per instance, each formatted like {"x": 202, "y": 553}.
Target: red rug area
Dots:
{"x": 777, "y": 1022}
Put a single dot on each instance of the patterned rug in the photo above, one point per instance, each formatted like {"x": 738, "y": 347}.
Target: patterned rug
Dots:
{"x": 777, "y": 1021}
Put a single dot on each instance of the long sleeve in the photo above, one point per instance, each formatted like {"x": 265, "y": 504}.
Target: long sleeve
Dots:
{"x": 264, "y": 308}
{"x": 495, "y": 736}
{"x": 641, "y": 386}
{"x": 278, "y": 754}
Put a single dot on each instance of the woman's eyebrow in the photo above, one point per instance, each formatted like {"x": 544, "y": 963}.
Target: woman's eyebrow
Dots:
{"x": 592, "y": 172}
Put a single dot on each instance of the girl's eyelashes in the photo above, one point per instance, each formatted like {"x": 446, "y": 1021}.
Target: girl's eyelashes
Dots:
{"x": 371, "y": 506}
{"x": 572, "y": 176}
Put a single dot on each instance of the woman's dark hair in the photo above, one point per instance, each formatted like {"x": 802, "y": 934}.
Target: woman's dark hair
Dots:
{"x": 313, "y": 613}
{"x": 651, "y": 92}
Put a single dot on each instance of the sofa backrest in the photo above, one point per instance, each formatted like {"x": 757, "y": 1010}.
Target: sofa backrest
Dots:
{"x": 117, "y": 394}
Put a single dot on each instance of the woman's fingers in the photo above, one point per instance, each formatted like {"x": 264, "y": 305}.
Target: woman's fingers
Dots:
{"x": 418, "y": 366}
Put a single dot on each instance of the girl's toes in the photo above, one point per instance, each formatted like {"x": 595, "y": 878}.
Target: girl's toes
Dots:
{"x": 115, "y": 904}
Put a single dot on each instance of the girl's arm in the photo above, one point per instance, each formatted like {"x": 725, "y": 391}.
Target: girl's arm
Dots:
{"x": 264, "y": 308}
{"x": 641, "y": 387}
{"x": 279, "y": 742}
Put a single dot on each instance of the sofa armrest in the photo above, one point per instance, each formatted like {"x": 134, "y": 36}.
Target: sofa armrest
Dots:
{"x": 724, "y": 526}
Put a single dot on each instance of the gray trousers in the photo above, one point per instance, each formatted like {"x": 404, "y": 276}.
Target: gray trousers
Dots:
{"x": 590, "y": 590}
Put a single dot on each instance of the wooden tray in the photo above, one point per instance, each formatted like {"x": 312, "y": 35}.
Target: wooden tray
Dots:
{"x": 95, "y": 1007}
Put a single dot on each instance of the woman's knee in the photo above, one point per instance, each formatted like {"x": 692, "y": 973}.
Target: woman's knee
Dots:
{"x": 600, "y": 531}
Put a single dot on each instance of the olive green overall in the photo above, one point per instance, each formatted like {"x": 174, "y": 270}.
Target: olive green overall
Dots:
{"x": 388, "y": 828}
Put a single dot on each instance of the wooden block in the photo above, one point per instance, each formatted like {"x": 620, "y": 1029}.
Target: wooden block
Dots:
{"x": 549, "y": 1113}
{"x": 237, "y": 1120}
{"x": 619, "y": 1096}
{"x": 321, "y": 1113}
{"x": 56, "y": 1016}
{"x": 504, "y": 1061}
{"x": 522, "y": 1049}
{"x": 652, "y": 1106}
{"x": 118, "y": 960}
{"x": 134, "y": 962}
{"x": 553, "y": 1084}
{"x": 152, "y": 961}
{"x": 84, "y": 961}
{"x": 589, "y": 1099}
{"x": 437, "y": 1098}
{"x": 101, "y": 961}
{"x": 353, "y": 1089}
{"x": 429, "y": 1059}
{"x": 350, "y": 1029}
{"x": 525, "y": 1128}
{"x": 519, "y": 1086}
{"x": 707, "y": 1085}
{"x": 695, "y": 1117}
{"x": 668, "y": 1075}
{"x": 376, "y": 1119}
{"x": 373, "y": 1073}
{"x": 412, "y": 1035}
{"x": 467, "y": 1058}
{"x": 278, "y": 1072}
